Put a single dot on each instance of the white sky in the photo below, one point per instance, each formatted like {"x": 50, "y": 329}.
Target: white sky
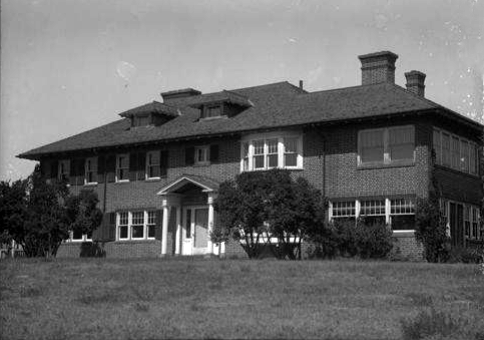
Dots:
{"x": 71, "y": 65}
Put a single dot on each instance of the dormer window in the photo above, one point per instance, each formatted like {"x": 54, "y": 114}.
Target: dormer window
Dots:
{"x": 212, "y": 111}
{"x": 141, "y": 120}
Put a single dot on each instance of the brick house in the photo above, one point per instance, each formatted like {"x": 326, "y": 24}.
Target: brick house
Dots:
{"x": 370, "y": 149}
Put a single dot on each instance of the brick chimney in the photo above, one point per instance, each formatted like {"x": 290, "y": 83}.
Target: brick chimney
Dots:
{"x": 416, "y": 82}
{"x": 378, "y": 67}
{"x": 177, "y": 94}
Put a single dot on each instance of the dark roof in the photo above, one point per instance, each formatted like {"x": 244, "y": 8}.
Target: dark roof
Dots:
{"x": 274, "y": 106}
{"x": 153, "y": 107}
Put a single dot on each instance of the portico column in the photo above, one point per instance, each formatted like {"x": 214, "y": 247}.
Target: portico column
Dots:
{"x": 210, "y": 223}
{"x": 178, "y": 230}
{"x": 164, "y": 230}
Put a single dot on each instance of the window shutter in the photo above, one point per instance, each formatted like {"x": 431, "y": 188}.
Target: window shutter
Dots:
{"x": 54, "y": 168}
{"x": 73, "y": 172}
{"x": 159, "y": 224}
{"x": 110, "y": 233}
{"x": 133, "y": 163}
{"x": 214, "y": 153}
{"x": 98, "y": 235}
{"x": 101, "y": 160}
{"x": 110, "y": 168}
{"x": 190, "y": 156}
{"x": 141, "y": 166}
{"x": 164, "y": 162}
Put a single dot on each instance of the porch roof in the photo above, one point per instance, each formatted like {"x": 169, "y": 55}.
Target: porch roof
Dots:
{"x": 205, "y": 183}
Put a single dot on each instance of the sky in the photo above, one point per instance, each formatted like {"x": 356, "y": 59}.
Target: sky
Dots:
{"x": 71, "y": 65}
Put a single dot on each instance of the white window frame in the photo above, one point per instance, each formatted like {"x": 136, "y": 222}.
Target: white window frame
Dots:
{"x": 148, "y": 164}
{"x": 84, "y": 238}
{"x": 387, "y": 160}
{"x": 90, "y": 160}
{"x": 205, "y": 149}
{"x": 358, "y": 210}
{"x": 470, "y": 158}
{"x": 130, "y": 225}
{"x": 247, "y": 160}
{"x": 65, "y": 165}
{"x": 118, "y": 180}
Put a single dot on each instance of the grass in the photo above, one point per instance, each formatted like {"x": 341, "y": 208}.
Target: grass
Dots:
{"x": 197, "y": 298}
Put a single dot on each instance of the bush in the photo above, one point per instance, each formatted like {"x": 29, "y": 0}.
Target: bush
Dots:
{"x": 465, "y": 255}
{"x": 348, "y": 238}
{"x": 374, "y": 240}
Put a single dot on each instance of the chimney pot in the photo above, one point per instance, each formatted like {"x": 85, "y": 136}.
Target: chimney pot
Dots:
{"x": 378, "y": 67}
{"x": 416, "y": 82}
{"x": 301, "y": 85}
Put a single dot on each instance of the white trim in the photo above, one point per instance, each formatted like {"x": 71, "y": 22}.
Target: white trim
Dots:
{"x": 180, "y": 182}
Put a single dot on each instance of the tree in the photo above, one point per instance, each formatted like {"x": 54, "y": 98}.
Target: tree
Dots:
{"x": 260, "y": 206}
{"x": 39, "y": 214}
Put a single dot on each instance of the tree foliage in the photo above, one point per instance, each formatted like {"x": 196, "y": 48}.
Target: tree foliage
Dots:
{"x": 39, "y": 214}
{"x": 258, "y": 207}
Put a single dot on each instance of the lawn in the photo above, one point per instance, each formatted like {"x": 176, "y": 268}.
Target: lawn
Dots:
{"x": 211, "y": 298}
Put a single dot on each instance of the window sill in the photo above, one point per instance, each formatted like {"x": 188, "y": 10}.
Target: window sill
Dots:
{"x": 153, "y": 179}
{"x": 403, "y": 233}
{"x": 135, "y": 241}
{"x": 290, "y": 169}
{"x": 457, "y": 172}
{"x": 381, "y": 165}
{"x": 93, "y": 184}
{"x": 122, "y": 181}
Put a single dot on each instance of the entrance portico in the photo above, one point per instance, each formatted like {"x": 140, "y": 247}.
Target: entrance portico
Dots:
{"x": 190, "y": 199}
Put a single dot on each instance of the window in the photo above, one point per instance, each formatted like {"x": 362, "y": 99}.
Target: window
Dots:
{"x": 202, "y": 155}
{"x": 372, "y": 146}
{"x": 77, "y": 236}
{"x": 141, "y": 120}
{"x": 151, "y": 225}
{"x": 475, "y": 223}
{"x": 123, "y": 225}
{"x": 386, "y": 145}
{"x": 91, "y": 171}
{"x": 445, "y": 149}
{"x": 373, "y": 211}
{"x": 122, "y": 167}
{"x": 137, "y": 225}
{"x": 270, "y": 152}
{"x": 64, "y": 169}
{"x": 467, "y": 221}
{"x": 290, "y": 152}
{"x": 212, "y": 111}
{"x": 188, "y": 231}
{"x": 455, "y": 153}
{"x": 344, "y": 210}
{"x": 437, "y": 147}
{"x": 402, "y": 214}
{"x": 153, "y": 164}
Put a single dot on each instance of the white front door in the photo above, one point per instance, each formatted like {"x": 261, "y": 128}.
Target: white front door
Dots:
{"x": 195, "y": 231}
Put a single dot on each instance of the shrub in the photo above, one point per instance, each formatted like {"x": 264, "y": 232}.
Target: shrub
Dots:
{"x": 431, "y": 230}
{"x": 373, "y": 240}
{"x": 465, "y": 255}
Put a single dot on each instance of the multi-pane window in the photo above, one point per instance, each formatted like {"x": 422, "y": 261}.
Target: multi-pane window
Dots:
{"x": 123, "y": 225}
{"x": 402, "y": 214}
{"x": 467, "y": 221}
{"x": 151, "y": 225}
{"x": 456, "y": 152}
{"x": 273, "y": 152}
{"x": 78, "y": 236}
{"x": 290, "y": 151}
{"x": 386, "y": 145}
{"x": 346, "y": 209}
{"x": 258, "y": 159}
{"x": 373, "y": 211}
{"x": 137, "y": 225}
{"x": 202, "y": 155}
{"x": 153, "y": 164}
{"x": 475, "y": 223}
{"x": 122, "y": 167}
{"x": 245, "y": 156}
{"x": 64, "y": 169}
{"x": 91, "y": 170}
{"x": 212, "y": 111}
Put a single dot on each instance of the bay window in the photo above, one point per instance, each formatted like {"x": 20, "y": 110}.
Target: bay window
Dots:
{"x": 263, "y": 152}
